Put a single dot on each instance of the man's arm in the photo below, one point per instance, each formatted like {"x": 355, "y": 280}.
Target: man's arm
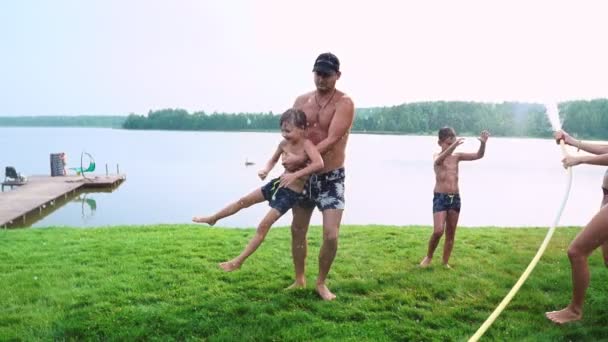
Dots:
{"x": 316, "y": 161}
{"x": 316, "y": 164}
{"x": 340, "y": 124}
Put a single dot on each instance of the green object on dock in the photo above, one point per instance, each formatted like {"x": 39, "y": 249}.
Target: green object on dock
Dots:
{"x": 80, "y": 170}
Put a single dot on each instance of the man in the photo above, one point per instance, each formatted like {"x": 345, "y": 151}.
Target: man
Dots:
{"x": 330, "y": 115}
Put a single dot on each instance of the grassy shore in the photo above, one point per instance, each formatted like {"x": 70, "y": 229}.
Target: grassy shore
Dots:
{"x": 163, "y": 283}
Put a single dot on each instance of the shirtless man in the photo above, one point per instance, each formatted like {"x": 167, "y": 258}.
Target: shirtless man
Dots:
{"x": 446, "y": 200}
{"x": 330, "y": 115}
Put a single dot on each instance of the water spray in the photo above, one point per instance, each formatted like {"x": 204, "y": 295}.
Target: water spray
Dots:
{"x": 552, "y": 113}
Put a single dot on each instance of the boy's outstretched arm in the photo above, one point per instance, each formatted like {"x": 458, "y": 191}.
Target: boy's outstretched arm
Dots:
{"x": 483, "y": 138}
{"x": 272, "y": 162}
{"x": 316, "y": 164}
{"x": 441, "y": 156}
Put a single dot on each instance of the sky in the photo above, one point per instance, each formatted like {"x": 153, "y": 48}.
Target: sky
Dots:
{"x": 115, "y": 57}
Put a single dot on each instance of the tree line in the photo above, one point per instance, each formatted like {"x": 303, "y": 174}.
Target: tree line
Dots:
{"x": 585, "y": 119}
{"x": 63, "y": 121}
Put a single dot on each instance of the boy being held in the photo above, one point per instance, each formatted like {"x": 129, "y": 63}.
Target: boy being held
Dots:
{"x": 281, "y": 193}
{"x": 446, "y": 199}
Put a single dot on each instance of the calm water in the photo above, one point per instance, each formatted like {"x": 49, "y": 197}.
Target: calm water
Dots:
{"x": 172, "y": 176}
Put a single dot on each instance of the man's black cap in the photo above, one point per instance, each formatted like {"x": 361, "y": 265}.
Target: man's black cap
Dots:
{"x": 327, "y": 63}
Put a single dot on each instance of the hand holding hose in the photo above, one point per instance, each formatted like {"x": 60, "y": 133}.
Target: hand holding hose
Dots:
{"x": 562, "y": 135}
{"x": 569, "y": 161}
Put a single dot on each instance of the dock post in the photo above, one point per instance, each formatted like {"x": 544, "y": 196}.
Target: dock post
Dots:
{"x": 106, "y": 169}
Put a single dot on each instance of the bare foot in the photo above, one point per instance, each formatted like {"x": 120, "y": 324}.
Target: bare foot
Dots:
{"x": 230, "y": 266}
{"x": 426, "y": 262}
{"x": 324, "y": 292}
{"x": 298, "y": 284}
{"x": 202, "y": 219}
{"x": 564, "y": 316}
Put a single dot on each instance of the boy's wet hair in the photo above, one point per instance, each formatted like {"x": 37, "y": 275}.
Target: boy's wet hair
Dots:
{"x": 446, "y": 132}
{"x": 295, "y": 117}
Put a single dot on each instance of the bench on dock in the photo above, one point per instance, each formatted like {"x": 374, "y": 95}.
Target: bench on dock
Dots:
{"x": 12, "y": 184}
{"x": 13, "y": 178}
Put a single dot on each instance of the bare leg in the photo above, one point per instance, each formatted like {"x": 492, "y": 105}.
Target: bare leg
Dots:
{"x": 450, "y": 233}
{"x": 299, "y": 244}
{"x": 592, "y": 236}
{"x": 244, "y": 202}
{"x": 271, "y": 217}
{"x": 605, "y": 253}
{"x": 329, "y": 248}
{"x": 438, "y": 228}
{"x": 605, "y": 244}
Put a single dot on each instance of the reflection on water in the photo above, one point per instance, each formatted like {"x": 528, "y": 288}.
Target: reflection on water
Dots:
{"x": 88, "y": 205}
{"x": 83, "y": 199}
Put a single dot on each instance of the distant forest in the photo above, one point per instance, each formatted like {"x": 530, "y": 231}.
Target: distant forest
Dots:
{"x": 584, "y": 119}
{"x": 63, "y": 121}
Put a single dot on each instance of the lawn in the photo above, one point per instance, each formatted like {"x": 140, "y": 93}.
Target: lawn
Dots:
{"x": 163, "y": 283}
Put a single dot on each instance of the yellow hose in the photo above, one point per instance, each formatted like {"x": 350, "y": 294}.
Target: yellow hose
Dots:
{"x": 482, "y": 329}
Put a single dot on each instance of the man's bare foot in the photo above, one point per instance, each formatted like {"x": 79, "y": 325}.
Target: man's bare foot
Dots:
{"x": 230, "y": 266}
{"x": 564, "y": 316}
{"x": 202, "y": 219}
{"x": 324, "y": 292}
{"x": 426, "y": 262}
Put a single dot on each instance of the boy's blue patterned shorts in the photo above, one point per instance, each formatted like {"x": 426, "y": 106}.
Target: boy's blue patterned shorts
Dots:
{"x": 281, "y": 199}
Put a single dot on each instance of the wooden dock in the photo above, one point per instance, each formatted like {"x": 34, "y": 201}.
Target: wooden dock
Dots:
{"x": 42, "y": 191}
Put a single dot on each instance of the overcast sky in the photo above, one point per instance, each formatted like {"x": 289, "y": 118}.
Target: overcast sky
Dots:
{"x": 118, "y": 56}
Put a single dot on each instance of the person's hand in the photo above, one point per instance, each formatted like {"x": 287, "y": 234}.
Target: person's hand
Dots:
{"x": 458, "y": 142}
{"x": 262, "y": 174}
{"x": 287, "y": 179}
{"x": 484, "y": 136}
{"x": 569, "y": 161}
{"x": 292, "y": 161}
{"x": 563, "y": 135}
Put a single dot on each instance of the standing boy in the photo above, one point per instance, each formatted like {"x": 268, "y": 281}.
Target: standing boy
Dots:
{"x": 446, "y": 199}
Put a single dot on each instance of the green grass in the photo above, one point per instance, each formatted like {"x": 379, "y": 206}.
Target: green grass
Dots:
{"x": 163, "y": 283}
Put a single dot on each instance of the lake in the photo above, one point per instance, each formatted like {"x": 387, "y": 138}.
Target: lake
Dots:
{"x": 172, "y": 176}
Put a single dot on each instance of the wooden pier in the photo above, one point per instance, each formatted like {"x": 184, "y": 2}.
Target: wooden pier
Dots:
{"x": 42, "y": 191}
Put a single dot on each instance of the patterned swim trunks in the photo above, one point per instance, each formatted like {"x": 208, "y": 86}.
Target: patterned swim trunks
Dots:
{"x": 281, "y": 199}
{"x": 445, "y": 202}
{"x": 325, "y": 191}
